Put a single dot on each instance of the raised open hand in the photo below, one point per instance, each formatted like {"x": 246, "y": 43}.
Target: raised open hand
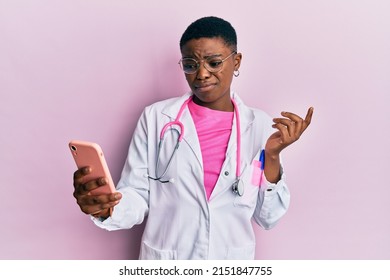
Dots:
{"x": 290, "y": 129}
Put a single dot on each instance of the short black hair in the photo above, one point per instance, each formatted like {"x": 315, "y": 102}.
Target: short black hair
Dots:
{"x": 210, "y": 27}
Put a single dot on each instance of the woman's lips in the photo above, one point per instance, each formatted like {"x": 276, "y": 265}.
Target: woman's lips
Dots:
{"x": 204, "y": 87}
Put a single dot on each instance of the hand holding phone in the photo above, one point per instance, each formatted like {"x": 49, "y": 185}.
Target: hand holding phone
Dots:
{"x": 94, "y": 189}
{"x": 88, "y": 154}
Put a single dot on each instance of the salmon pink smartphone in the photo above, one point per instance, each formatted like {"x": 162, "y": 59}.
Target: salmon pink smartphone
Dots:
{"x": 90, "y": 154}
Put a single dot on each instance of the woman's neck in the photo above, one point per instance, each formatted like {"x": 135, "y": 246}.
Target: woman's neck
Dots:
{"x": 221, "y": 104}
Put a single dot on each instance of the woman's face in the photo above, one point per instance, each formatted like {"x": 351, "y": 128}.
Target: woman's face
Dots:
{"x": 211, "y": 89}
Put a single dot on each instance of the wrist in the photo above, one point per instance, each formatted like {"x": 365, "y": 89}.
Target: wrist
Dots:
{"x": 272, "y": 167}
{"x": 271, "y": 156}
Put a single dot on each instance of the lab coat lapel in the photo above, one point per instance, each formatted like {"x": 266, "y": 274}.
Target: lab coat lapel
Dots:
{"x": 246, "y": 121}
{"x": 190, "y": 135}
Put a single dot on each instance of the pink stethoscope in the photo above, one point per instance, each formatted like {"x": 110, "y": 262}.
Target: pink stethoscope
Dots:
{"x": 237, "y": 186}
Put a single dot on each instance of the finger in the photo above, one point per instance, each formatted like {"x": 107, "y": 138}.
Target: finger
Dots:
{"x": 83, "y": 189}
{"x": 283, "y": 131}
{"x": 79, "y": 175}
{"x": 99, "y": 213}
{"x": 308, "y": 117}
{"x": 301, "y": 124}
{"x": 93, "y": 184}
{"x": 94, "y": 209}
{"x": 102, "y": 213}
{"x": 99, "y": 199}
{"x": 297, "y": 120}
{"x": 291, "y": 116}
{"x": 289, "y": 124}
{"x": 94, "y": 204}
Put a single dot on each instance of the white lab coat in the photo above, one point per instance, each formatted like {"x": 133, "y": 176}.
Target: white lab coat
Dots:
{"x": 181, "y": 223}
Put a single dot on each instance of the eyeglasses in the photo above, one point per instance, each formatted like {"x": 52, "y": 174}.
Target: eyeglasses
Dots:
{"x": 212, "y": 64}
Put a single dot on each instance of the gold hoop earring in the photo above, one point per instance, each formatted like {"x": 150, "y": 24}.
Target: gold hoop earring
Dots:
{"x": 236, "y": 73}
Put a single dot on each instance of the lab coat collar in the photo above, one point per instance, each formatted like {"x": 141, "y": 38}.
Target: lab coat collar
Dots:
{"x": 171, "y": 109}
{"x": 246, "y": 115}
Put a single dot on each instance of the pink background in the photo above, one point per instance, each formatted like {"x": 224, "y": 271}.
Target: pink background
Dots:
{"x": 85, "y": 69}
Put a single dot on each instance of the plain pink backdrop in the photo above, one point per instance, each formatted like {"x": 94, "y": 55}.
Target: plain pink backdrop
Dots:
{"x": 85, "y": 70}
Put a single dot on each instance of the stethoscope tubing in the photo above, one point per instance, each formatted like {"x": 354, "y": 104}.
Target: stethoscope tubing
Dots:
{"x": 180, "y": 138}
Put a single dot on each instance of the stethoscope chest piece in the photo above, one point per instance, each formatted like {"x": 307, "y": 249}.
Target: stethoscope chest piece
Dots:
{"x": 238, "y": 187}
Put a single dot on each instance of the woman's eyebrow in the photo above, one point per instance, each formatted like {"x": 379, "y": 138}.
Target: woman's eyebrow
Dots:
{"x": 212, "y": 55}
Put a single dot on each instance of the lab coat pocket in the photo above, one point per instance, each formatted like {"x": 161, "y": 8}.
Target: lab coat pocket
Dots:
{"x": 256, "y": 173}
{"x": 250, "y": 179}
{"x": 150, "y": 253}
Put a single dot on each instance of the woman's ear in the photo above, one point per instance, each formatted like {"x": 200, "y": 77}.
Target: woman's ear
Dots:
{"x": 237, "y": 61}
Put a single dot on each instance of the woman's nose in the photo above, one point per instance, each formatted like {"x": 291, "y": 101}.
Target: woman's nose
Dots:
{"x": 202, "y": 73}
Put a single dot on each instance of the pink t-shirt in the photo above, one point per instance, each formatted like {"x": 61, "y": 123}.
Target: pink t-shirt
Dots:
{"x": 213, "y": 128}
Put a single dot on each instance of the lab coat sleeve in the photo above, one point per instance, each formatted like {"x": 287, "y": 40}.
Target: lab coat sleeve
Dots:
{"x": 273, "y": 199}
{"x": 272, "y": 203}
{"x": 133, "y": 185}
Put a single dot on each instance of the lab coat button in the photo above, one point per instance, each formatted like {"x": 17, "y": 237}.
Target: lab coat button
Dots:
{"x": 269, "y": 190}
{"x": 226, "y": 173}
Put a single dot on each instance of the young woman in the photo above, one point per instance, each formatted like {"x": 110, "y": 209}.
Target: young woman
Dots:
{"x": 201, "y": 194}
